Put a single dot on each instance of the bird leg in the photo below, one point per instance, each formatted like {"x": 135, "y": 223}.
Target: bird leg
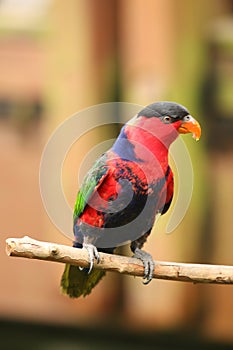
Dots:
{"x": 148, "y": 264}
{"x": 92, "y": 253}
{"x": 145, "y": 257}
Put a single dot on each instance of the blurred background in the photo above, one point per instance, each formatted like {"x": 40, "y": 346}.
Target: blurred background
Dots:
{"x": 58, "y": 57}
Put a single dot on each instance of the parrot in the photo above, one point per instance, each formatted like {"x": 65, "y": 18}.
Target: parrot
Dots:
{"x": 125, "y": 190}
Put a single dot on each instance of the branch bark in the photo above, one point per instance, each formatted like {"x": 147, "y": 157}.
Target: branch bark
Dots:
{"x": 27, "y": 247}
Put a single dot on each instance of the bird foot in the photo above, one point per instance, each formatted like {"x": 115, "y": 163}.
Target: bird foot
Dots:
{"x": 148, "y": 264}
{"x": 93, "y": 254}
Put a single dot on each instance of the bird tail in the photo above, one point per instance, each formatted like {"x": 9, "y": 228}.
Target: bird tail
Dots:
{"x": 76, "y": 282}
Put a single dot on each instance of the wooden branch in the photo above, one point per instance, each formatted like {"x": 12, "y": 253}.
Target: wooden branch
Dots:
{"x": 196, "y": 273}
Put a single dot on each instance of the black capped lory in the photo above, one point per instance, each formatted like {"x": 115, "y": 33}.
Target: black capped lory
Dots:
{"x": 124, "y": 191}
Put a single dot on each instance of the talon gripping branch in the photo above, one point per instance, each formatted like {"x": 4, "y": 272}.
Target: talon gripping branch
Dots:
{"x": 105, "y": 201}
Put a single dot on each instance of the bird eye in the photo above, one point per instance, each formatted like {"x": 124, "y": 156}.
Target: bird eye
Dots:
{"x": 167, "y": 119}
{"x": 187, "y": 118}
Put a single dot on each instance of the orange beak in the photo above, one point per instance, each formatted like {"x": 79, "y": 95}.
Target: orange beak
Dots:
{"x": 190, "y": 126}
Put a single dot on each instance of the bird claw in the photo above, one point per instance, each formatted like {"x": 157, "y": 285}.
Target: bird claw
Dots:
{"x": 93, "y": 254}
{"x": 148, "y": 264}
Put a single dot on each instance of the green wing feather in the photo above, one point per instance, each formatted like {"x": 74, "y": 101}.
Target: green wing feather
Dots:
{"x": 76, "y": 282}
{"x": 91, "y": 182}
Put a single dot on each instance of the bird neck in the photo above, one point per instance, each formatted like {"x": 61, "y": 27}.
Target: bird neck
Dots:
{"x": 152, "y": 150}
{"x": 143, "y": 147}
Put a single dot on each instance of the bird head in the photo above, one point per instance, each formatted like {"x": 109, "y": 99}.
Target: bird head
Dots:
{"x": 166, "y": 120}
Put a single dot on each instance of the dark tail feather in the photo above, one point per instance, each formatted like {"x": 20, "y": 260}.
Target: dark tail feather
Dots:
{"x": 76, "y": 282}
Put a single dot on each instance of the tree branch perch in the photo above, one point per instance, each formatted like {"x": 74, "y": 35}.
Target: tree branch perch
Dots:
{"x": 27, "y": 247}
